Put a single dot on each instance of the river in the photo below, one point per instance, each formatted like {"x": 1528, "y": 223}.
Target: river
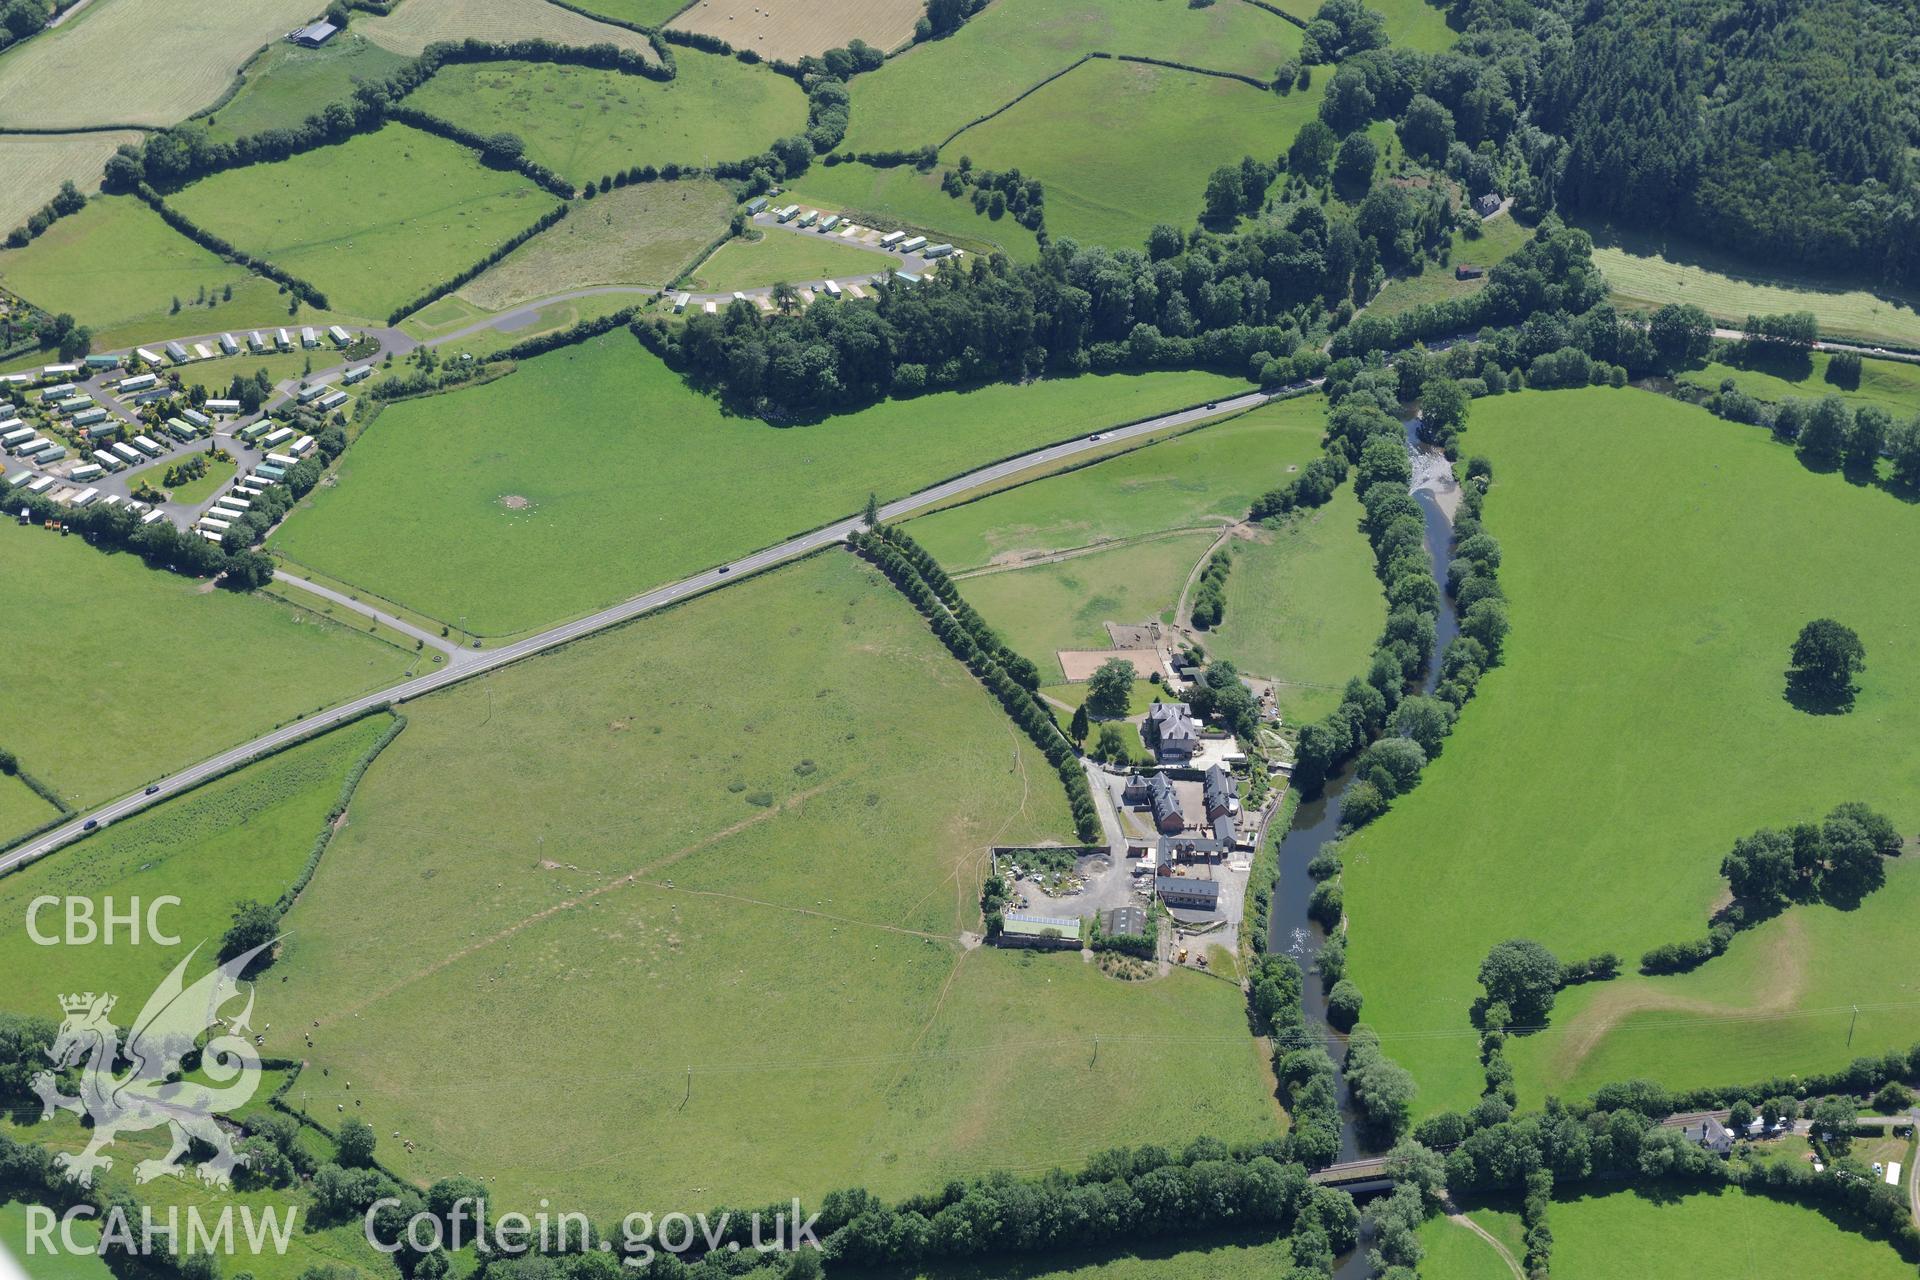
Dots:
{"x": 1318, "y": 820}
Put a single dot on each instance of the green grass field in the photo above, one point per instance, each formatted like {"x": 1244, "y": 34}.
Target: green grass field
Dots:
{"x": 371, "y": 222}
{"x": 339, "y": 1251}
{"x": 613, "y": 456}
{"x": 795, "y": 868}
{"x": 56, "y": 1266}
{"x": 218, "y": 473}
{"x": 287, "y": 83}
{"x": 583, "y": 122}
{"x": 247, "y": 835}
{"x": 21, "y": 809}
{"x": 1414, "y": 24}
{"x": 1303, "y": 608}
{"x": 644, "y": 234}
{"x": 1644, "y": 274}
{"x": 1498, "y": 241}
{"x": 1067, "y": 604}
{"x": 1700, "y": 1235}
{"x": 1201, "y": 478}
{"x": 903, "y": 198}
{"x": 1168, "y": 129}
{"x": 548, "y": 319}
{"x": 1454, "y": 1252}
{"x": 795, "y": 257}
{"x": 1894, "y": 385}
{"x": 217, "y": 374}
{"x": 121, "y": 673}
{"x": 116, "y": 267}
{"x": 1232, "y": 1258}
{"x": 36, "y": 166}
{"x": 938, "y": 88}
{"x": 81, "y": 75}
{"x": 1637, "y": 728}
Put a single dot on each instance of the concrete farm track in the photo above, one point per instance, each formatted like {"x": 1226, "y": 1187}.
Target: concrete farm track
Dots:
{"x": 479, "y": 662}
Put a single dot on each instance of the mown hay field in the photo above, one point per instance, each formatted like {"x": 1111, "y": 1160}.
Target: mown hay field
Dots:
{"x": 36, "y": 166}
{"x": 585, "y": 123}
{"x": 117, "y": 267}
{"x": 780, "y": 255}
{"x": 413, "y": 26}
{"x": 643, "y": 234}
{"x": 21, "y": 809}
{"x": 1163, "y": 133}
{"x": 647, "y": 13}
{"x": 936, "y": 89}
{"x": 371, "y": 222}
{"x": 1673, "y": 575}
{"x": 1066, "y": 604}
{"x": 1207, "y": 477}
{"x": 1644, "y": 274}
{"x": 797, "y": 869}
{"x": 146, "y": 62}
{"x": 245, "y": 836}
{"x": 615, "y": 468}
{"x": 903, "y": 198}
{"x": 94, "y": 710}
{"x": 789, "y": 32}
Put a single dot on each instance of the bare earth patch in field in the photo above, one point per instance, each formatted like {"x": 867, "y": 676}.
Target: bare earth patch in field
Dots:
{"x": 789, "y": 32}
{"x": 36, "y": 166}
{"x": 418, "y": 23}
{"x": 514, "y": 502}
{"x": 81, "y": 74}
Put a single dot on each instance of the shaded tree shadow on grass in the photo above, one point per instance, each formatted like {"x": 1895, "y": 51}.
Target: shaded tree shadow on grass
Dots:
{"x": 1815, "y": 698}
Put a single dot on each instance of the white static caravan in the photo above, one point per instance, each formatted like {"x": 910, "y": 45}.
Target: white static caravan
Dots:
{"x": 680, "y": 301}
{"x": 937, "y": 251}
{"x": 285, "y": 340}
{"x": 308, "y": 394}
{"x": 31, "y": 445}
{"x": 302, "y": 447}
{"x": 41, "y": 485}
{"x": 833, "y": 290}
{"x": 228, "y": 407}
{"x": 85, "y": 497}
{"x": 285, "y": 461}
{"x": 210, "y": 535}
{"x": 308, "y": 338}
{"x": 808, "y": 218}
{"x": 332, "y": 400}
{"x": 892, "y": 238}
{"x": 151, "y": 357}
{"x": 148, "y": 447}
{"x": 788, "y": 214}
{"x": 278, "y": 436}
{"x": 197, "y": 418}
{"x": 128, "y": 454}
{"x": 220, "y": 511}
{"x": 829, "y": 222}
{"x": 139, "y": 382}
{"x": 913, "y": 244}
{"x": 359, "y": 373}
{"x": 228, "y": 345}
{"x": 151, "y": 516}
{"x": 238, "y": 504}
{"x": 221, "y": 526}
{"x": 112, "y": 500}
{"x": 60, "y": 371}
{"x": 106, "y": 460}
{"x": 340, "y": 336}
{"x": 256, "y": 342}
{"x": 58, "y": 392}
{"x": 87, "y": 474}
{"x": 176, "y": 353}
{"x": 18, "y": 436}
{"x": 19, "y": 478}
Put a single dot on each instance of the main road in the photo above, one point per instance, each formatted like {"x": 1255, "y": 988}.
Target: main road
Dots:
{"x": 476, "y": 662}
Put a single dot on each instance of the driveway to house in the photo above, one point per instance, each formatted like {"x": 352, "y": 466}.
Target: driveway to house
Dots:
{"x": 638, "y": 606}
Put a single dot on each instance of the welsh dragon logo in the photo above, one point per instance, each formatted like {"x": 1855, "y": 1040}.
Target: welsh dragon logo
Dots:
{"x": 149, "y": 1092}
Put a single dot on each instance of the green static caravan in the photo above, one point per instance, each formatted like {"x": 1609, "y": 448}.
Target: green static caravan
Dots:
{"x": 254, "y": 430}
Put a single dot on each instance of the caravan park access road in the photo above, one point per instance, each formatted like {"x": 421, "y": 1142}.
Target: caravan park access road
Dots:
{"x": 481, "y": 661}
